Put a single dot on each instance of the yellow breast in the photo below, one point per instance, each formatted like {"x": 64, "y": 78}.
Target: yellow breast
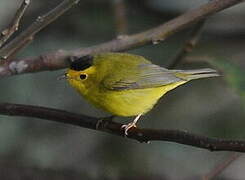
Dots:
{"x": 128, "y": 102}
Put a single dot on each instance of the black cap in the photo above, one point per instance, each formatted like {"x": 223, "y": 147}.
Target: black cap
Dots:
{"x": 81, "y": 63}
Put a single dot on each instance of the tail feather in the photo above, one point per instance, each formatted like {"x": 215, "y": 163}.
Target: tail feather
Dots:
{"x": 195, "y": 74}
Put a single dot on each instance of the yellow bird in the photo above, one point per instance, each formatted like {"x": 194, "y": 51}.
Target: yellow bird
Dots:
{"x": 126, "y": 84}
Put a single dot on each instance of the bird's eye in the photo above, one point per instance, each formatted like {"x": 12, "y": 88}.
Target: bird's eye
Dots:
{"x": 83, "y": 76}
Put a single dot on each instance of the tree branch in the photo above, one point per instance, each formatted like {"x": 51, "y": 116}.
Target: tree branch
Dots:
{"x": 119, "y": 7}
{"x": 14, "y": 25}
{"x": 57, "y": 60}
{"x": 221, "y": 166}
{"x": 189, "y": 45}
{"x": 141, "y": 135}
{"x": 39, "y": 24}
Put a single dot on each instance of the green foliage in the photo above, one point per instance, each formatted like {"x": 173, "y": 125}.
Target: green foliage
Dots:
{"x": 234, "y": 74}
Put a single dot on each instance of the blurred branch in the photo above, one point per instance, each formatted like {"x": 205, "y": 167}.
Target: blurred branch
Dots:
{"x": 12, "y": 170}
{"x": 41, "y": 22}
{"x": 142, "y": 135}
{"x": 221, "y": 167}
{"x": 14, "y": 25}
{"x": 120, "y": 17}
{"x": 57, "y": 60}
{"x": 189, "y": 45}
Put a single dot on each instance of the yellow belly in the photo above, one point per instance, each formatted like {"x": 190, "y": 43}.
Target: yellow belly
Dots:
{"x": 129, "y": 102}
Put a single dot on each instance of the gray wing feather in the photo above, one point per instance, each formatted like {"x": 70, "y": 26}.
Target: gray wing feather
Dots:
{"x": 149, "y": 76}
{"x": 153, "y": 75}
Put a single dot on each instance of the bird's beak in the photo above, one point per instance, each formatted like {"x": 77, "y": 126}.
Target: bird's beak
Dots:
{"x": 64, "y": 76}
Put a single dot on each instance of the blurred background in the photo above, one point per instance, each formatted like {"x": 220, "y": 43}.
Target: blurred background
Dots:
{"x": 38, "y": 149}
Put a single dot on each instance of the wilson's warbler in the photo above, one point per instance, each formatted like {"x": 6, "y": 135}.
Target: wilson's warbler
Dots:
{"x": 125, "y": 84}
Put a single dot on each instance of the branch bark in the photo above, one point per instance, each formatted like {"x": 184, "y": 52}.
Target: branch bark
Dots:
{"x": 119, "y": 7}
{"x": 14, "y": 25}
{"x": 221, "y": 166}
{"x": 57, "y": 60}
{"x": 189, "y": 45}
{"x": 34, "y": 28}
{"x": 141, "y": 135}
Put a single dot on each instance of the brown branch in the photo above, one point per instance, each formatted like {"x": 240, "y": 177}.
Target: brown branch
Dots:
{"x": 141, "y": 135}
{"x": 189, "y": 45}
{"x": 221, "y": 167}
{"x": 21, "y": 46}
{"x": 14, "y": 25}
{"x": 120, "y": 17}
{"x": 35, "y": 27}
{"x": 57, "y": 60}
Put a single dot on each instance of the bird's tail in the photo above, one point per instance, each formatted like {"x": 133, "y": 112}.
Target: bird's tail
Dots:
{"x": 188, "y": 75}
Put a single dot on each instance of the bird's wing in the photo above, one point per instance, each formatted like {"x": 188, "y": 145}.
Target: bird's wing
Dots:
{"x": 142, "y": 76}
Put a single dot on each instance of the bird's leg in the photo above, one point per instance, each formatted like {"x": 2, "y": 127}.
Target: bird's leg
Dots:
{"x": 128, "y": 126}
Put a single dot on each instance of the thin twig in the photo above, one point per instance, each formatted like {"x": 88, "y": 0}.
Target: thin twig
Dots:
{"x": 14, "y": 25}
{"x": 141, "y": 135}
{"x": 21, "y": 46}
{"x": 35, "y": 27}
{"x": 119, "y": 7}
{"x": 189, "y": 45}
{"x": 221, "y": 166}
{"x": 57, "y": 60}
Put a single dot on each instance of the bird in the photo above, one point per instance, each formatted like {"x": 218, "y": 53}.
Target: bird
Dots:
{"x": 125, "y": 84}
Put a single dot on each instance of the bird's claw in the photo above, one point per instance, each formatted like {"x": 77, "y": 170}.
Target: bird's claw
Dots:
{"x": 127, "y": 127}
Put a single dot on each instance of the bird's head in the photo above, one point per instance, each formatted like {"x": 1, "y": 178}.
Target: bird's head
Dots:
{"x": 81, "y": 73}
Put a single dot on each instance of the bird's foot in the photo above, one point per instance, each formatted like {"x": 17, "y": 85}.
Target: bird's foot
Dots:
{"x": 130, "y": 125}
{"x": 127, "y": 127}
